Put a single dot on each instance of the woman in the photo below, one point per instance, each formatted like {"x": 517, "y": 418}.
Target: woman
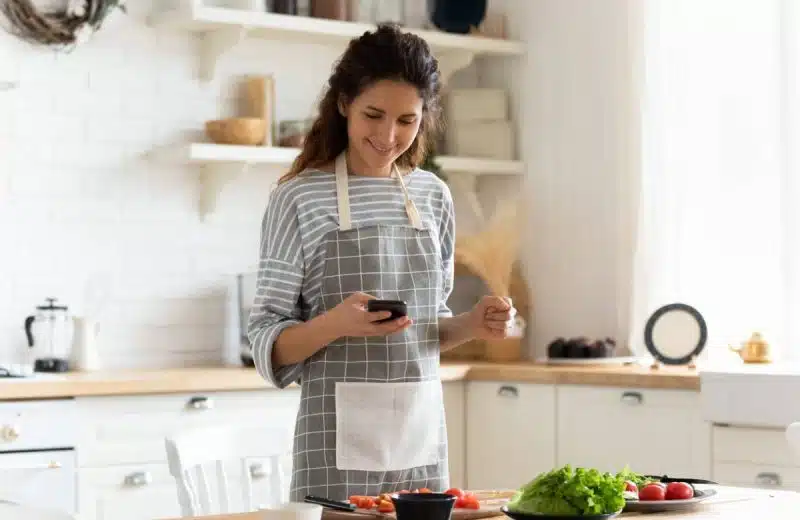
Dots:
{"x": 355, "y": 219}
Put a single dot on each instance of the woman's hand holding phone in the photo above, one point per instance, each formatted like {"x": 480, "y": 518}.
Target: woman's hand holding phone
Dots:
{"x": 352, "y": 318}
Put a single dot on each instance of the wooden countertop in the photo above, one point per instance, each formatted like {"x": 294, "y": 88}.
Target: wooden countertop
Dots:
{"x": 731, "y": 504}
{"x": 208, "y": 379}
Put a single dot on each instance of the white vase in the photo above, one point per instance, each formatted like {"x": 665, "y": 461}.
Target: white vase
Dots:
{"x": 84, "y": 356}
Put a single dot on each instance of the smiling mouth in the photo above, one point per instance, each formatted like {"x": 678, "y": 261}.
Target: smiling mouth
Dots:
{"x": 380, "y": 149}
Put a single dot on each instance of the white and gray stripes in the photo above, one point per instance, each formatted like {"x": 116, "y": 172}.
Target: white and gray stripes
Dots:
{"x": 300, "y": 213}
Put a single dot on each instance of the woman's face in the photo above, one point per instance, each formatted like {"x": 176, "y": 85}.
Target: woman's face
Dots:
{"x": 382, "y": 122}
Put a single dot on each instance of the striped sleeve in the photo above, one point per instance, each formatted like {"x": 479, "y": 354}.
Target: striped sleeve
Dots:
{"x": 278, "y": 286}
{"x": 447, "y": 236}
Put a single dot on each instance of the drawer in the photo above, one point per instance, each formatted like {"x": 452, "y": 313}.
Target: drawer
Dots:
{"x": 752, "y": 445}
{"x": 132, "y": 429}
{"x": 27, "y": 425}
{"x": 756, "y": 475}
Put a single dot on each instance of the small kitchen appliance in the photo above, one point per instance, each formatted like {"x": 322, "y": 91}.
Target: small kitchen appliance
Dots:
{"x": 49, "y": 334}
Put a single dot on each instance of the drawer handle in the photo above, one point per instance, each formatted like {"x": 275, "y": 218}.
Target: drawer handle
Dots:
{"x": 632, "y": 398}
{"x": 138, "y": 479}
{"x": 200, "y": 403}
{"x": 508, "y": 391}
{"x": 258, "y": 471}
{"x": 768, "y": 479}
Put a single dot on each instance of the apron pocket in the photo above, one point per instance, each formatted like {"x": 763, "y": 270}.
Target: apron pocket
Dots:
{"x": 388, "y": 426}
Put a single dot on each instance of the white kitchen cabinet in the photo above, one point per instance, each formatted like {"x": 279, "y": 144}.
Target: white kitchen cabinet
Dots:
{"x": 131, "y": 429}
{"x": 122, "y": 459}
{"x": 455, "y": 414}
{"x": 754, "y": 457}
{"x": 510, "y": 433}
{"x": 654, "y": 432}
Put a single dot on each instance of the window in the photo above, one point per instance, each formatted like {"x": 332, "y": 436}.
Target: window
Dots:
{"x": 719, "y": 204}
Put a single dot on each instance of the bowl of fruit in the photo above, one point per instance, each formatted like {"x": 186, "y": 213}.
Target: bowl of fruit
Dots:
{"x": 582, "y": 350}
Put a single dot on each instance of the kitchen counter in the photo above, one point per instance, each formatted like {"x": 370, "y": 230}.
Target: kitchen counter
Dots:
{"x": 732, "y": 504}
{"x": 207, "y": 379}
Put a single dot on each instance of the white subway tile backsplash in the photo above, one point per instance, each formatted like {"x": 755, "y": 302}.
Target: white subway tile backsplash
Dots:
{"x": 83, "y": 201}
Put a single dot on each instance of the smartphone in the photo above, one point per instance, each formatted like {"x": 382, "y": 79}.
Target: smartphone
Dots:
{"x": 398, "y": 308}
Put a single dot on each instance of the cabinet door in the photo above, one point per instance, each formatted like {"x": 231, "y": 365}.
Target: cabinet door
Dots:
{"x": 130, "y": 492}
{"x": 754, "y": 457}
{"x": 454, "y": 408}
{"x": 510, "y": 433}
{"x": 653, "y": 431}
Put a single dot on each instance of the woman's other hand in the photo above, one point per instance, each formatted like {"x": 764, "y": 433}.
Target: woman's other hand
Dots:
{"x": 492, "y": 317}
{"x": 351, "y": 318}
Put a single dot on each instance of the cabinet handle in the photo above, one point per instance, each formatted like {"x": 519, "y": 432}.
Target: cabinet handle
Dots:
{"x": 200, "y": 403}
{"x": 257, "y": 471}
{"x": 768, "y": 479}
{"x": 138, "y": 479}
{"x": 632, "y": 398}
{"x": 508, "y": 391}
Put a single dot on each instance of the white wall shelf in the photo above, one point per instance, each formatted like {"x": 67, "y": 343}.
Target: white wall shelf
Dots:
{"x": 221, "y": 163}
{"x": 210, "y": 153}
{"x": 222, "y": 29}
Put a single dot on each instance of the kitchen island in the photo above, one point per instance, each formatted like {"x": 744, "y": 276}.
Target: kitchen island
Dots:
{"x": 730, "y": 504}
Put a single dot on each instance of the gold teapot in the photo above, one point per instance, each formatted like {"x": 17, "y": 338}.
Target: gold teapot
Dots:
{"x": 754, "y": 350}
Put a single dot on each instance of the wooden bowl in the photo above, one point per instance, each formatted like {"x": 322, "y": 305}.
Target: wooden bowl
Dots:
{"x": 237, "y": 130}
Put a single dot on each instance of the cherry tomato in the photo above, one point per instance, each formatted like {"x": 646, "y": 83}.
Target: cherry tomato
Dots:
{"x": 651, "y": 492}
{"x": 385, "y": 506}
{"x": 454, "y": 492}
{"x": 424, "y": 490}
{"x": 470, "y": 502}
{"x": 679, "y": 491}
{"x": 630, "y": 486}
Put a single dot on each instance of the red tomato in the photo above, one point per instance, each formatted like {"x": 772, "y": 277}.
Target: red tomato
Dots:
{"x": 630, "y": 486}
{"x": 679, "y": 491}
{"x": 470, "y": 502}
{"x": 454, "y": 491}
{"x": 385, "y": 506}
{"x": 651, "y": 492}
{"x": 424, "y": 490}
{"x": 403, "y": 492}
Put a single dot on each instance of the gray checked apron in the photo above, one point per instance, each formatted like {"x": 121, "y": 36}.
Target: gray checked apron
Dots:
{"x": 371, "y": 417}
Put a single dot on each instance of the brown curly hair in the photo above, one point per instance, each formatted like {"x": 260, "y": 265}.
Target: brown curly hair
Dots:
{"x": 386, "y": 53}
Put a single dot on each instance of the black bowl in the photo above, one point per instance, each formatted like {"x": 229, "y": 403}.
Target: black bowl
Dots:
{"x": 423, "y": 506}
{"x": 528, "y": 516}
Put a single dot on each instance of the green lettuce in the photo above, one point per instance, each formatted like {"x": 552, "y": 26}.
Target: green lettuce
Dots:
{"x": 568, "y": 491}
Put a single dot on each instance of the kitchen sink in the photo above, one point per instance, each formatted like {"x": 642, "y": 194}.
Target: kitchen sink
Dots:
{"x": 751, "y": 395}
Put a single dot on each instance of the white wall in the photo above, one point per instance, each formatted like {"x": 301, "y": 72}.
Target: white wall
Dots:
{"x": 80, "y": 201}
{"x": 579, "y": 136}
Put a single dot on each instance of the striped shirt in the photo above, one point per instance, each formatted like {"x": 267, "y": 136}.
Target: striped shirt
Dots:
{"x": 299, "y": 214}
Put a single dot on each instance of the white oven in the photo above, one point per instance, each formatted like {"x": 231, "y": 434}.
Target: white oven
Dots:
{"x": 38, "y": 464}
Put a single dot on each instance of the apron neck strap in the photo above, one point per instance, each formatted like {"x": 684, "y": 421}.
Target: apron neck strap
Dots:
{"x": 343, "y": 196}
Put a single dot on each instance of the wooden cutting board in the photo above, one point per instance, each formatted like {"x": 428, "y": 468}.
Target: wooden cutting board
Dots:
{"x": 491, "y": 502}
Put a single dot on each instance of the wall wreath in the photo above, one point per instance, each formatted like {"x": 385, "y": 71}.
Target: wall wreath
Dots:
{"x": 67, "y": 26}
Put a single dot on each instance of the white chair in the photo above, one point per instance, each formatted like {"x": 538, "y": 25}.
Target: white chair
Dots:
{"x": 190, "y": 453}
{"x": 793, "y": 437}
